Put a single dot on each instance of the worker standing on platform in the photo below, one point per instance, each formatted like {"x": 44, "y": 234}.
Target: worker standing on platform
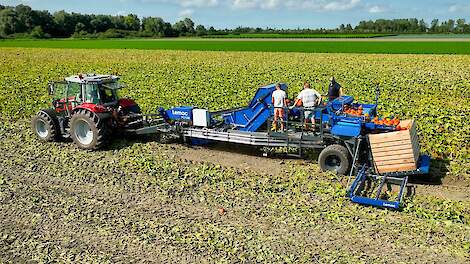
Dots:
{"x": 308, "y": 98}
{"x": 279, "y": 100}
{"x": 334, "y": 89}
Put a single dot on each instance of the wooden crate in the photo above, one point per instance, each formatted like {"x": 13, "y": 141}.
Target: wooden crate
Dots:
{"x": 396, "y": 151}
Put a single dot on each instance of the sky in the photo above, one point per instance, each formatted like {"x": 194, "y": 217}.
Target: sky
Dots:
{"x": 263, "y": 13}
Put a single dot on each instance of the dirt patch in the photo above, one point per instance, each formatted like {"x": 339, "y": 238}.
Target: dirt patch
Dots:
{"x": 455, "y": 193}
{"x": 239, "y": 157}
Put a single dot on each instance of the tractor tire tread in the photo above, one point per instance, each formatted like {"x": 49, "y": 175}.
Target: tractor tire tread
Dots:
{"x": 102, "y": 131}
{"x": 49, "y": 116}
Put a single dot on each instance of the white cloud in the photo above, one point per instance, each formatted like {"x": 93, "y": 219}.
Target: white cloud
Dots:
{"x": 270, "y": 4}
{"x": 314, "y": 5}
{"x": 182, "y": 3}
{"x": 186, "y": 13}
{"x": 198, "y": 3}
{"x": 245, "y": 4}
{"x": 341, "y": 5}
{"x": 459, "y": 8}
{"x": 376, "y": 9}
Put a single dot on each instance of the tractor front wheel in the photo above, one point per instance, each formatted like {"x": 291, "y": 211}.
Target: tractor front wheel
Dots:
{"x": 88, "y": 131}
{"x": 335, "y": 158}
{"x": 45, "y": 125}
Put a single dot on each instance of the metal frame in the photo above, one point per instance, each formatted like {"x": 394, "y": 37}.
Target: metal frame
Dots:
{"x": 361, "y": 181}
{"x": 254, "y": 138}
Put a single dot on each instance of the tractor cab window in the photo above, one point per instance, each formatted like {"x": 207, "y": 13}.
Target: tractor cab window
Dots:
{"x": 99, "y": 93}
{"x": 91, "y": 93}
{"x": 107, "y": 95}
{"x": 60, "y": 89}
{"x": 74, "y": 92}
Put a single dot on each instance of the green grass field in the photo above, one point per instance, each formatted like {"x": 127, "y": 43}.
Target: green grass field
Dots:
{"x": 378, "y": 47}
{"x": 331, "y": 35}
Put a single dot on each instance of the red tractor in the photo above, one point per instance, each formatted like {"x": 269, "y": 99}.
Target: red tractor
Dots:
{"x": 88, "y": 109}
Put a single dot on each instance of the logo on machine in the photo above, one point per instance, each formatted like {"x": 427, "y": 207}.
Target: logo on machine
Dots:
{"x": 179, "y": 112}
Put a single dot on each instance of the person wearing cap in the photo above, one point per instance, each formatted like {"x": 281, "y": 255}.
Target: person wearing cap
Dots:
{"x": 308, "y": 98}
{"x": 279, "y": 101}
{"x": 334, "y": 89}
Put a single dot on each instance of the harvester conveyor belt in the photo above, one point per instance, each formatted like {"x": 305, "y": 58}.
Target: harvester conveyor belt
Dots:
{"x": 254, "y": 138}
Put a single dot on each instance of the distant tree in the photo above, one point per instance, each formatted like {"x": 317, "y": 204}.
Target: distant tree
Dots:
{"x": 180, "y": 28}
{"x": 118, "y": 22}
{"x": 434, "y": 25}
{"x": 101, "y": 23}
{"x": 212, "y": 31}
{"x": 201, "y": 30}
{"x": 65, "y": 24}
{"x": 189, "y": 24}
{"x": 460, "y": 28}
{"x": 132, "y": 22}
{"x": 79, "y": 27}
{"x": 342, "y": 28}
{"x": 25, "y": 18}
{"x": 8, "y": 21}
{"x": 422, "y": 26}
{"x": 45, "y": 20}
{"x": 38, "y": 33}
{"x": 450, "y": 25}
{"x": 154, "y": 25}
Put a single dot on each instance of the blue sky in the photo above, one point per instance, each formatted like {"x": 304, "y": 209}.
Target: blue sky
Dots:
{"x": 264, "y": 13}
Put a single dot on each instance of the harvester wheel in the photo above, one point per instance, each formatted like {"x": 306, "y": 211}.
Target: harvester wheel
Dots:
{"x": 88, "y": 131}
{"x": 45, "y": 125}
{"x": 335, "y": 158}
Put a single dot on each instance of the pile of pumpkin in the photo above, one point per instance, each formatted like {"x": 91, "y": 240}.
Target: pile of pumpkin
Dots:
{"x": 352, "y": 111}
{"x": 388, "y": 121}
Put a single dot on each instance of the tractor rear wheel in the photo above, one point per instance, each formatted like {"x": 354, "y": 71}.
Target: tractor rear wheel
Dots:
{"x": 335, "y": 158}
{"x": 88, "y": 131}
{"x": 45, "y": 125}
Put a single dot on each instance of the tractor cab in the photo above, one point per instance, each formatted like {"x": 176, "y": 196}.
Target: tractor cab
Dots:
{"x": 85, "y": 90}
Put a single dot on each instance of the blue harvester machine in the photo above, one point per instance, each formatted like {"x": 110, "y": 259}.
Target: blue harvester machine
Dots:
{"x": 378, "y": 154}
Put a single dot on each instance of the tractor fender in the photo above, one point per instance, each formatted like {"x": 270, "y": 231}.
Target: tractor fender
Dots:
{"x": 126, "y": 102}
{"x": 49, "y": 112}
{"x": 100, "y": 115}
{"x": 94, "y": 108}
{"x": 129, "y": 105}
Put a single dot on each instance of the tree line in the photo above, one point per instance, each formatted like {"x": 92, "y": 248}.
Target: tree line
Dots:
{"x": 22, "y": 21}
{"x": 411, "y": 25}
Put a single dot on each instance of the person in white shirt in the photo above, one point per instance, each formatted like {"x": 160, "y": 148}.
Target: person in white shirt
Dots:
{"x": 279, "y": 100}
{"x": 308, "y": 98}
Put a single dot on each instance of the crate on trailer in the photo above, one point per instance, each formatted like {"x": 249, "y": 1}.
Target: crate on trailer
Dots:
{"x": 396, "y": 151}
